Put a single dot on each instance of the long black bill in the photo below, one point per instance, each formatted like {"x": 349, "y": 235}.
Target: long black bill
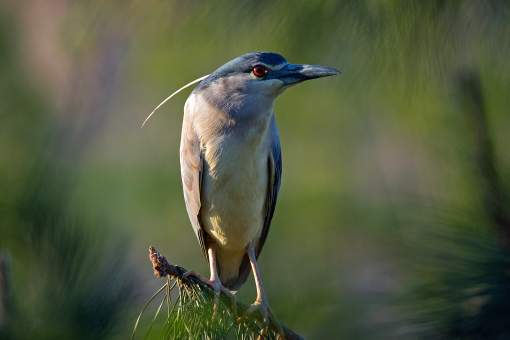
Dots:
{"x": 294, "y": 73}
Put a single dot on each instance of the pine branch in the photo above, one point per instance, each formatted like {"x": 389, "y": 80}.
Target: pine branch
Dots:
{"x": 162, "y": 268}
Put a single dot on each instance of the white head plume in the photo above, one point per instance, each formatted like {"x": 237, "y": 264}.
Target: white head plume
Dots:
{"x": 179, "y": 90}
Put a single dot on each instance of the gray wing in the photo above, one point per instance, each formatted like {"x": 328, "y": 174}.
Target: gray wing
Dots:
{"x": 274, "y": 165}
{"x": 191, "y": 174}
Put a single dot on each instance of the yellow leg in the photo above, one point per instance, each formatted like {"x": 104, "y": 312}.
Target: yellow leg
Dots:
{"x": 215, "y": 282}
{"x": 260, "y": 303}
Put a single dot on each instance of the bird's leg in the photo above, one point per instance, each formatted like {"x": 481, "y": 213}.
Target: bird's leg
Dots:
{"x": 215, "y": 282}
{"x": 260, "y": 303}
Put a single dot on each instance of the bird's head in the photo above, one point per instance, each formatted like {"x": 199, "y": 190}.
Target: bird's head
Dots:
{"x": 252, "y": 80}
{"x": 260, "y": 74}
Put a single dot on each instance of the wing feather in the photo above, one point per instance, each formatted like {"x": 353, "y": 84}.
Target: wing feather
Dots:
{"x": 274, "y": 165}
{"x": 191, "y": 173}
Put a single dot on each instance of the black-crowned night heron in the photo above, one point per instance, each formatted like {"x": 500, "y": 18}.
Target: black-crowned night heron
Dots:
{"x": 231, "y": 165}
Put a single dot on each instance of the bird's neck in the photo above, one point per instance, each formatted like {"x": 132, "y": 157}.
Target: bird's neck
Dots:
{"x": 246, "y": 115}
{"x": 248, "y": 110}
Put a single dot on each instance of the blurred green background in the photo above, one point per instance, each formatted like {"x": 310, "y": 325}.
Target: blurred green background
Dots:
{"x": 393, "y": 217}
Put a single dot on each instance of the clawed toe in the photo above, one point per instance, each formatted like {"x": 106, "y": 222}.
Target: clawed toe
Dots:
{"x": 267, "y": 315}
{"x": 218, "y": 288}
{"x": 198, "y": 276}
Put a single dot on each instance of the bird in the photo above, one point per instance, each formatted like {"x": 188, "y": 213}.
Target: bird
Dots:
{"x": 231, "y": 166}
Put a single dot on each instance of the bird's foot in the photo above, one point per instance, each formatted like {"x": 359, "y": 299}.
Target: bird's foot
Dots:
{"x": 197, "y": 275}
{"x": 218, "y": 288}
{"x": 267, "y": 314}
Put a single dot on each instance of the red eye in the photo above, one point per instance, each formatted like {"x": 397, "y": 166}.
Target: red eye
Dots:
{"x": 259, "y": 71}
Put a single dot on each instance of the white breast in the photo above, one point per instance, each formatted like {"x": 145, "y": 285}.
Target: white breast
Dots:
{"x": 235, "y": 180}
{"x": 234, "y": 190}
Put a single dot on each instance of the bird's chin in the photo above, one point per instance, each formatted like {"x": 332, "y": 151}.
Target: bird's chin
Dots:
{"x": 285, "y": 87}
{"x": 288, "y": 86}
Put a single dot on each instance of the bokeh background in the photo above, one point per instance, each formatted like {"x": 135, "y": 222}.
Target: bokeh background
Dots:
{"x": 393, "y": 218}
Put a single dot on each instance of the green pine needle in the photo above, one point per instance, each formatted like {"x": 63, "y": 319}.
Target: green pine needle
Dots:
{"x": 191, "y": 315}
